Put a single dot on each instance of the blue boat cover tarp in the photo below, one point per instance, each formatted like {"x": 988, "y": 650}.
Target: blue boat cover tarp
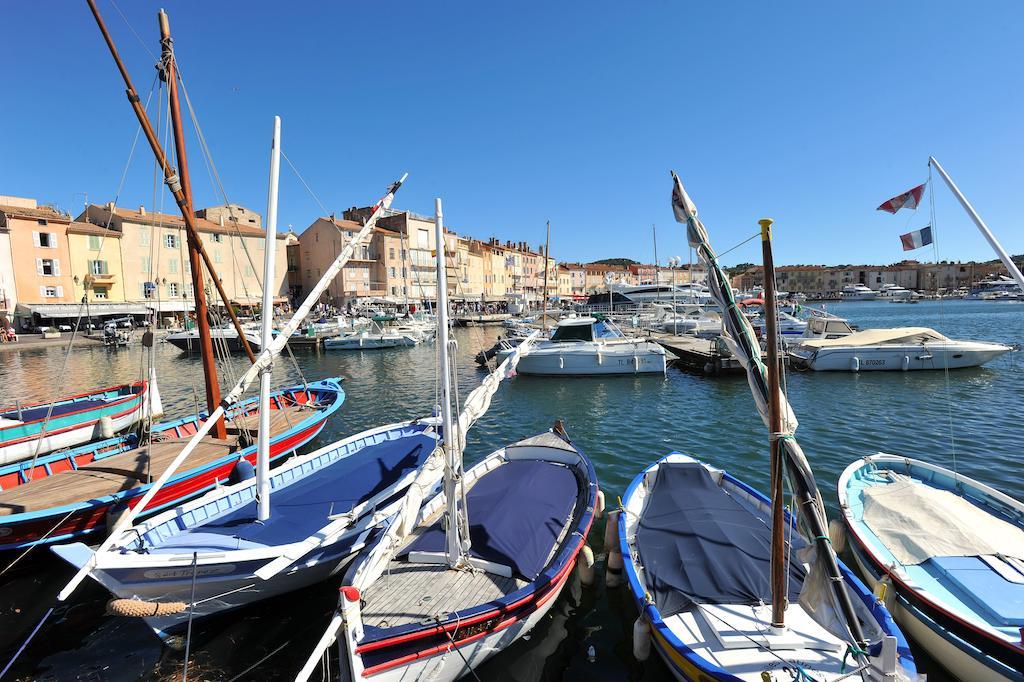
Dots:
{"x": 301, "y": 508}
{"x": 976, "y": 583}
{"x": 698, "y": 544}
{"x": 516, "y": 513}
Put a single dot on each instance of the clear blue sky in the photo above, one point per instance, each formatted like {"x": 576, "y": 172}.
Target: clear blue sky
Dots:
{"x": 812, "y": 113}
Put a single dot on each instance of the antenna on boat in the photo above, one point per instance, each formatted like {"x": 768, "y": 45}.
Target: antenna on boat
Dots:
{"x": 778, "y": 556}
{"x": 263, "y": 437}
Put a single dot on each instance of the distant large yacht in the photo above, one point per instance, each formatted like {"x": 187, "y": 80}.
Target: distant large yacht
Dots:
{"x": 858, "y": 292}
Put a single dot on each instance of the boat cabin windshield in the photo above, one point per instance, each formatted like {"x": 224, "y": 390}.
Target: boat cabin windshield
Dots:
{"x": 573, "y": 332}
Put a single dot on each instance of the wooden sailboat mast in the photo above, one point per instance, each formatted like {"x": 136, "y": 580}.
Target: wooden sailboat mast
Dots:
{"x": 169, "y": 74}
{"x": 170, "y": 176}
{"x": 778, "y": 557}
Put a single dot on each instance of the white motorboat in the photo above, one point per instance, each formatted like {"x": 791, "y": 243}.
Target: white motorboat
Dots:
{"x": 900, "y": 348}
{"x": 895, "y": 292}
{"x": 858, "y": 292}
{"x": 377, "y": 337}
{"x": 825, "y": 326}
{"x": 698, "y": 324}
{"x": 789, "y": 326}
{"x": 690, "y": 292}
{"x": 584, "y": 346}
{"x": 188, "y": 341}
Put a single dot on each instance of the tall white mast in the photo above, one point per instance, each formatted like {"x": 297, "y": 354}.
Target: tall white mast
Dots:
{"x": 453, "y": 466}
{"x": 263, "y": 441}
{"x": 982, "y": 227}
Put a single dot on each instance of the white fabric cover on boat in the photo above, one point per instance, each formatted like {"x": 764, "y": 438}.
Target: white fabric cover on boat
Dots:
{"x": 875, "y": 337}
{"x": 917, "y": 522}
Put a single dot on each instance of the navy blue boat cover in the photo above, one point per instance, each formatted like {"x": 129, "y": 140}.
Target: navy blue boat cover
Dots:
{"x": 300, "y": 509}
{"x": 36, "y": 413}
{"x": 698, "y": 544}
{"x": 516, "y": 514}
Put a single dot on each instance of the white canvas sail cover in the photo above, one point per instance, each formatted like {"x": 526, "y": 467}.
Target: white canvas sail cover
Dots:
{"x": 878, "y": 337}
{"x": 917, "y": 522}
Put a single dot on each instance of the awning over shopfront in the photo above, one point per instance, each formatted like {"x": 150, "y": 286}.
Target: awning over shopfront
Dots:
{"x": 172, "y": 306}
{"x": 253, "y": 302}
{"x": 50, "y": 311}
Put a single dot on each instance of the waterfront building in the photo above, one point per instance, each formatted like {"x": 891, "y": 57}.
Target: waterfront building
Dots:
{"x": 155, "y": 260}
{"x": 96, "y": 263}
{"x": 40, "y": 261}
{"x": 8, "y": 282}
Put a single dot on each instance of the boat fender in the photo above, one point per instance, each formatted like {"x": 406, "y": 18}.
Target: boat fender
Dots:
{"x": 855, "y": 364}
{"x": 641, "y": 639}
{"x": 600, "y": 359}
{"x": 242, "y": 471}
{"x": 106, "y": 427}
{"x": 613, "y": 561}
{"x": 885, "y": 593}
{"x": 137, "y": 608}
{"x": 599, "y": 504}
{"x": 837, "y": 535}
{"x": 561, "y": 362}
{"x": 636, "y": 364}
{"x": 906, "y": 363}
{"x": 585, "y": 566}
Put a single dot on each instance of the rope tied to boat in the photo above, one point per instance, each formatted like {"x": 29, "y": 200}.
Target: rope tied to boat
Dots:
{"x": 852, "y": 649}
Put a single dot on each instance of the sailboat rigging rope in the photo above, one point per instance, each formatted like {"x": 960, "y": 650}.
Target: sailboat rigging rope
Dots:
{"x": 131, "y": 28}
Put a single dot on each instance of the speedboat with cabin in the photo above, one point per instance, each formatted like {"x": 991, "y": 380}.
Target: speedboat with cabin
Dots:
{"x": 895, "y": 292}
{"x": 376, "y": 337}
{"x": 585, "y": 346}
{"x": 897, "y": 349}
{"x": 225, "y": 336}
{"x": 858, "y": 292}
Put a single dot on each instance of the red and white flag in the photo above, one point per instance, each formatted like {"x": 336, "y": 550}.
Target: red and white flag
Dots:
{"x": 909, "y": 199}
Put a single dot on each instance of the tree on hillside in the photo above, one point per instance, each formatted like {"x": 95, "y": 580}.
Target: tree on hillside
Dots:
{"x": 622, "y": 262}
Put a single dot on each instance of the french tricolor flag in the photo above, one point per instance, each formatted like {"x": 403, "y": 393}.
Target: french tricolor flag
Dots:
{"x": 917, "y": 239}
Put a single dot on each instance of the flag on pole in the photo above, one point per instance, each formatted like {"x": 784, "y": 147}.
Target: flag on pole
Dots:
{"x": 917, "y": 239}
{"x": 909, "y": 199}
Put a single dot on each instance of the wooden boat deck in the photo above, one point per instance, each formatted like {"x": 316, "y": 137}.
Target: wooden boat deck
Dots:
{"x": 413, "y": 593}
{"x": 136, "y": 467}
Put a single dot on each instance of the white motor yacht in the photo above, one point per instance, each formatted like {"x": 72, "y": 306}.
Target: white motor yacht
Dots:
{"x": 585, "y": 345}
{"x": 858, "y": 292}
{"x": 226, "y": 337}
{"x": 895, "y": 292}
{"x": 901, "y": 348}
{"x": 376, "y": 337}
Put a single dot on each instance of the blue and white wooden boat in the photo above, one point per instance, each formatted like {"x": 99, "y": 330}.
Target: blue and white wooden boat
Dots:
{"x": 949, "y": 552}
{"x": 729, "y": 586}
{"x": 325, "y": 506}
{"x": 72, "y": 494}
{"x": 30, "y": 430}
{"x": 695, "y": 542}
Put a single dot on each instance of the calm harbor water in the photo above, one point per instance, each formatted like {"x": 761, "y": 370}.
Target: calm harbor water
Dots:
{"x": 621, "y": 423}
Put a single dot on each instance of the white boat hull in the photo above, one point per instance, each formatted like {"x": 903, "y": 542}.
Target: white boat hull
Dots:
{"x": 68, "y": 439}
{"x": 370, "y": 342}
{"x": 593, "y": 358}
{"x": 898, "y": 358}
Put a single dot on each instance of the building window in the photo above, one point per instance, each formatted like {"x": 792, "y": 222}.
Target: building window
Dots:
{"x": 99, "y": 294}
{"x": 248, "y": 270}
{"x": 144, "y": 236}
{"x": 217, "y": 238}
{"x": 145, "y": 264}
{"x": 391, "y": 254}
{"x": 391, "y": 272}
{"x": 217, "y": 257}
{"x": 43, "y": 221}
{"x": 45, "y": 240}
{"x": 147, "y": 289}
{"x": 98, "y": 267}
{"x": 172, "y": 266}
{"x": 51, "y": 292}
{"x": 94, "y": 242}
{"x": 171, "y": 241}
{"x": 48, "y": 267}
{"x": 172, "y": 290}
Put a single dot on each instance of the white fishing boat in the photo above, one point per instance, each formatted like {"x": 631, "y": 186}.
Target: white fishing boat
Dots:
{"x": 858, "y": 292}
{"x": 232, "y": 547}
{"x": 475, "y": 566}
{"x": 729, "y": 585}
{"x": 588, "y": 346}
{"x": 945, "y": 552}
{"x": 950, "y": 554}
{"x": 376, "y": 337}
{"x": 898, "y": 349}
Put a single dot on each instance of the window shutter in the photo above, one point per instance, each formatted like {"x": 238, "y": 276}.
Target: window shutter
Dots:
{"x": 35, "y": 238}
{"x": 39, "y": 264}
{"x": 56, "y": 267}
{"x": 53, "y": 240}
{"x": 60, "y": 291}
{"x": 42, "y": 292}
